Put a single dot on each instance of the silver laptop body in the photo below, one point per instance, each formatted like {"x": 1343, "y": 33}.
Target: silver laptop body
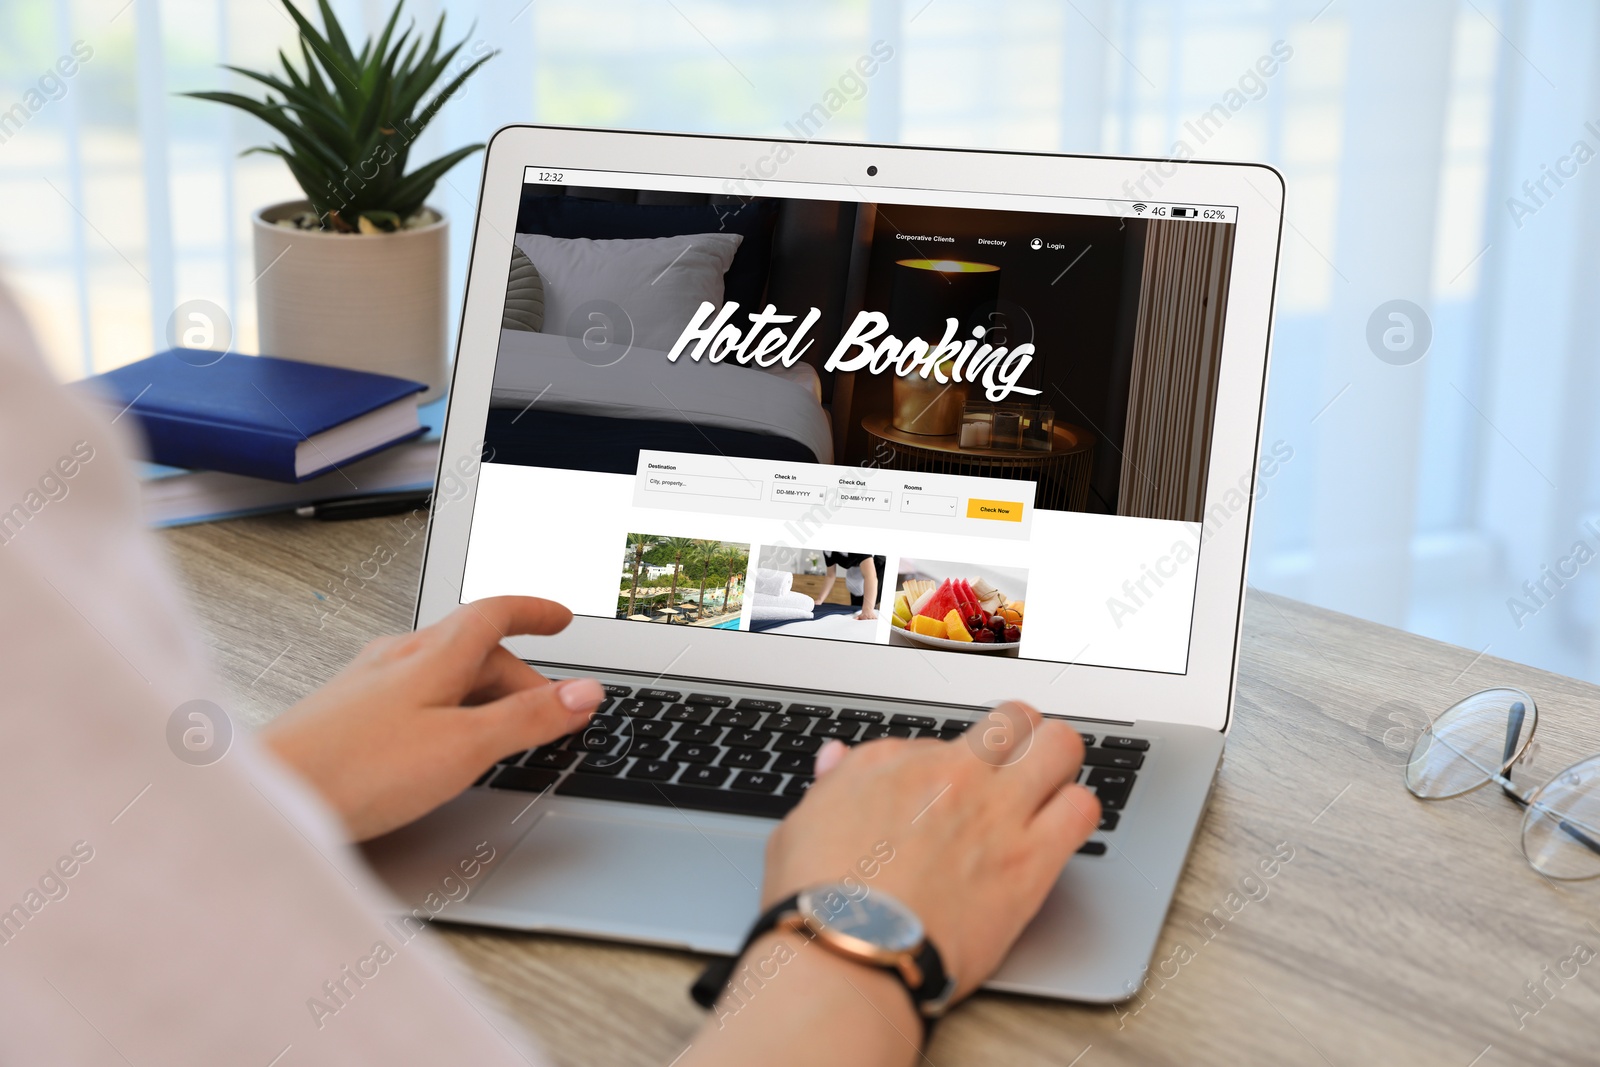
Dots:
{"x": 1134, "y": 566}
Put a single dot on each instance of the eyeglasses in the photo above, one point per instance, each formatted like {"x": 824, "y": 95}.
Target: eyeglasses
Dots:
{"x": 1477, "y": 741}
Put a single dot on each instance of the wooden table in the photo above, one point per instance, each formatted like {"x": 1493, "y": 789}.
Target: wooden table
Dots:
{"x": 1398, "y": 934}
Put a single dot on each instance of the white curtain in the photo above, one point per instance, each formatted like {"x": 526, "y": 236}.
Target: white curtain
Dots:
{"x": 1437, "y": 152}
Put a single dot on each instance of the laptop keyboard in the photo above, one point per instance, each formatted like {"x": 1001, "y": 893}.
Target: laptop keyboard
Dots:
{"x": 748, "y": 756}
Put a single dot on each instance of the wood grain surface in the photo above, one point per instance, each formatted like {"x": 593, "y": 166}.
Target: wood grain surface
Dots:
{"x": 1401, "y": 931}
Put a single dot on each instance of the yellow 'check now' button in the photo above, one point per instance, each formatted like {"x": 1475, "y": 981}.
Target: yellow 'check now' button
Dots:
{"x": 999, "y": 510}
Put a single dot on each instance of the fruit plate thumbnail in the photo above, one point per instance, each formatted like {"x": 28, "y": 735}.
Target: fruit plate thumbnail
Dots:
{"x": 944, "y": 644}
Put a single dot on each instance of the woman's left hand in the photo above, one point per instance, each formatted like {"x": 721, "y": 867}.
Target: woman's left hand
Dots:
{"x": 417, "y": 717}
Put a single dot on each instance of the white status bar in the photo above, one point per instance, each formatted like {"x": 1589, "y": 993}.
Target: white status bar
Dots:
{"x": 1065, "y": 205}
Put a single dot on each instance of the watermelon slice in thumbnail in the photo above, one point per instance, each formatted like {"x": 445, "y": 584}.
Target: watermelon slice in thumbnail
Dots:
{"x": 941, "y": 603}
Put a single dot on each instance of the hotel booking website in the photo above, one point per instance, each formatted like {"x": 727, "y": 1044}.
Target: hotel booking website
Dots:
{"x": 959, "y": 431}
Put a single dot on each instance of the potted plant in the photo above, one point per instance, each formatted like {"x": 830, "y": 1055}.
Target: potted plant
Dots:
{"x": 355, "y": 274}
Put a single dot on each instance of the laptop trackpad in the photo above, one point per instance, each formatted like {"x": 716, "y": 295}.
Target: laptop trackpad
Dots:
{"x": 658, "y": 875}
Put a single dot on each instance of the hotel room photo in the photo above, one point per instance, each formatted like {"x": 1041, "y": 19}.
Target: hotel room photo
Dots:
{"x": 817, "y": 592}
{"x": 1124, "y": 315}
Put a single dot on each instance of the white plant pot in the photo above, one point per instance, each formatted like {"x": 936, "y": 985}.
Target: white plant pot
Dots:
{"x": 369, "y": 302}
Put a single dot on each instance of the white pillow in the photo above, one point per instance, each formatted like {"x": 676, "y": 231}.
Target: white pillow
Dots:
{"x": 658, "y": 281}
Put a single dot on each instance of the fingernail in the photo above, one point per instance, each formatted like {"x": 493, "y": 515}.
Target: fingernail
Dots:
{"x": 580, "y": 694}
{"x": 828, "y": 756}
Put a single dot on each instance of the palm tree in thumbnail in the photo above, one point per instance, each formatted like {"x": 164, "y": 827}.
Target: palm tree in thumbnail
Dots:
{"x": 736, "y": 561}
{"x": 707, "y": 554}
{"x": 679, "y": 547}
{"x": 638, "y": 544}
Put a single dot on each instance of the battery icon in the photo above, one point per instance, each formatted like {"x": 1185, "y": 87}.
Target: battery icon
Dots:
{"x": 1185, "y": 212}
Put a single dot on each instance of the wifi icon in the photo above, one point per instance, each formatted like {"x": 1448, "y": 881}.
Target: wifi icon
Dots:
{"x": 1138, "y": 209}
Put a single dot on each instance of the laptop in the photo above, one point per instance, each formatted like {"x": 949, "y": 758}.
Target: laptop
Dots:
{"x": 824, "y": 440}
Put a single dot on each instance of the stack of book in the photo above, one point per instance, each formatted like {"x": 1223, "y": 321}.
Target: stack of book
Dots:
{"x": 247, "y": 435}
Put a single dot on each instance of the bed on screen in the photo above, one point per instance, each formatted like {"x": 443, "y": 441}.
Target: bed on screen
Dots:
{"x": 601, "y": 284}
{"x": 551, "y": 409}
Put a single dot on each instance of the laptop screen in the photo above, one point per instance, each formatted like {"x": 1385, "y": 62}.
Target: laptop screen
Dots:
{"x": 948, "y": 425}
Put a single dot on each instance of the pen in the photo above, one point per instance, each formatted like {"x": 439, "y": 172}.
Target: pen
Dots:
{"x": 364, "y": 507}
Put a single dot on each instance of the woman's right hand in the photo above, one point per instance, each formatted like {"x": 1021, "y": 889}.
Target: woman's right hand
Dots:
{"x": 979, "y": 830}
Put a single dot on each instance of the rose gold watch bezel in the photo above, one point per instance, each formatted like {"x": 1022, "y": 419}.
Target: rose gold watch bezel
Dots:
{"x": 855, "y": 948}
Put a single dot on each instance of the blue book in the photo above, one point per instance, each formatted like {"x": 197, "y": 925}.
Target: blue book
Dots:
{"x": 260, "y": 415}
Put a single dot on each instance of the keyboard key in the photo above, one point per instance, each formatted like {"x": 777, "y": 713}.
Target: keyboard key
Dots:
{"x": 1112, "y": 777}
{"x": 711, "y": 777}
{"x": 613, "y": 690}
{"x": 552, "y": 758}
{"x": 958, "y": 725}
{"x": 927, "y": 722}
{"x": 1136, "y": 744}
{"x": 875, "y": 731}
{"x": 797, "y": 743}
{"x": 1112, "y": 798}
{"x": 756, "y": 781}
{"x": 731, "y": 717}
{"x": 797, "y": 786}
{"x": 605, "y": 722}
{"x": 786, "y": 724}
{"x": 648, "y": 727}
{"x": 655, "y": 770}
{"x": 844, "y": 731}
{"x": 595, "y": 741}
{"x": 857, "y": 715}
{"x": 1108, "y": 819}
{"x": 687, "y": 713}
{"x": 525, "y": 779}
{"x": 810, "y": 709}
{"x": 1112, "y": 757}
{"x": 646, "y": 748}
{"x": 746, "y": 759}
{"x": 751, "y": 704}
{"x": 747, "y": 739}
{"x": 703, "y": 735}
{"x": 639, "y": 709}
{"x": 1088, "y": 739}
{"x": 694, "y": 753}
{"x": 708, "y": 700}
{"x": 1092, "y": 848}
{"x": 901, "y": 731}
{"x": 512, "y": 760}
{"x": 794, "y": 763}
{"x": 602, "y": 764}
{"x": 666, "y": 696}
{"x": 944, "y": 735}
{"x": 677, "y": 794}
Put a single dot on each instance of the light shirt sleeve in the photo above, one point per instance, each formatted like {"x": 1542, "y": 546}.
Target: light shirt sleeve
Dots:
{"x": 155, "y": 908}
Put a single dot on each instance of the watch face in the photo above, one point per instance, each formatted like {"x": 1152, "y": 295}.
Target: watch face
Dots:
{"x": 867, "y": 915}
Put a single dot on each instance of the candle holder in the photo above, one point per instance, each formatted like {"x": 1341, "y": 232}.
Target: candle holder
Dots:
{"x": 977, "y": 426}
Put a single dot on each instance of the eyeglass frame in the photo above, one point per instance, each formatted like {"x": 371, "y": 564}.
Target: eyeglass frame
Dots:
{"x": 1518, "y": 713}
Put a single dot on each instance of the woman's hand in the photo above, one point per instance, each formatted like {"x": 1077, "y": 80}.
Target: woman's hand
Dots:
{"x": 417, "y": 717}
{"x": 979, "y": 827}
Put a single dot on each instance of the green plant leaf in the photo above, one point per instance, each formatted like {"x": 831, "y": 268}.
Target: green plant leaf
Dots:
{"x": 348, "y": 119}
{"x": 410, "y": 193}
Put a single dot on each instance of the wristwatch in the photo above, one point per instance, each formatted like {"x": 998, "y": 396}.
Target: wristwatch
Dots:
{"x": 861, "y": 924}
